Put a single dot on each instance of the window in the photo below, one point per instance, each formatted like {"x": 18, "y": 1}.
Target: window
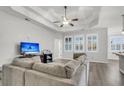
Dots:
{"x": 92, "y": 42}
{"x": 79, "y": 43}
{"x": 117, "y": 43}
{"x": 68, "y": 43}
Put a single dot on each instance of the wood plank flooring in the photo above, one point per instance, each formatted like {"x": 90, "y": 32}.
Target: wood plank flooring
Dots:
{"x": 105, "y": 74}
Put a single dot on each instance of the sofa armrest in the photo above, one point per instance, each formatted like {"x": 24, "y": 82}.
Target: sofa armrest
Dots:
{"x": 12, "y": 75}
{"x": 86, "y": 65}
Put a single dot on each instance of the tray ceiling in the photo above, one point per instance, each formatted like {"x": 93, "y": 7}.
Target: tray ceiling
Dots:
{"x": 88, "y": 15}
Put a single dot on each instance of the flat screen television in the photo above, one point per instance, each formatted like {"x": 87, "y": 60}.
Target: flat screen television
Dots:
{"x": 29, "y": 48}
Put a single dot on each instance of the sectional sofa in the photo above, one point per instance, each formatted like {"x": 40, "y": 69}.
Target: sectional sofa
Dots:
{"x": 32, "y": 72}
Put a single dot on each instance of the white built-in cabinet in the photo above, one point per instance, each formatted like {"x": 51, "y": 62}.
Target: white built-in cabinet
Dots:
{"x": 92, "y": 43}
{"x": 78, "y": 43}
{"x": 81, "y": 43}
{"x": 68, "y": 43}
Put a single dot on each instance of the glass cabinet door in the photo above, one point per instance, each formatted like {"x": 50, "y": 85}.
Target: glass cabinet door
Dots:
{"x": 68, "y": 43}
{"x": 92, "y": 42}
{"x": 79, "y": 43}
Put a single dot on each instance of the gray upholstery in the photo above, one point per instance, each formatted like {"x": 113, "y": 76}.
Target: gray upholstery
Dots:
{"x": 36, "y": 59}
{"x": 71, "y": 67}
{"x": 60, "y": 69}
{"x": 13, "y": 76}
{"x": 81, "y": 58}
{"x": 76, "y": 55}
{"x": 61, "y": 72}
{"x": 62, "y": 60}
{"x": 50, "y": 68}
{"x": 26, "y": 62}
{"x": 35, "y": 78}
{"x": 23, "y": 62}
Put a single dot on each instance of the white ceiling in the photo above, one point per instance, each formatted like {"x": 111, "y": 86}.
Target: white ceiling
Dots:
{"x": 85, "y": 14}
{"x": 104, "y": 16}
{"x": 88, "y": 16}
{"x": 56, "y": 12}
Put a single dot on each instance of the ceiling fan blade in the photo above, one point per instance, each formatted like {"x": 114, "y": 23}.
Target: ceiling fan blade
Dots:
{"x": 56, "y": 22}
{"x": 61, "y": 25}
{"x": 71, "y": 24}
{"x": 76, "y": 19}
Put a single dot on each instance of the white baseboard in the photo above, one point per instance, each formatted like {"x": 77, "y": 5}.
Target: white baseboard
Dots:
{"x": 99, "y": 61}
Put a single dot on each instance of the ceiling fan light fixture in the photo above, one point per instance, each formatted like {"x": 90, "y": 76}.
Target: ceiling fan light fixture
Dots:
{"x": 65, "y": 22}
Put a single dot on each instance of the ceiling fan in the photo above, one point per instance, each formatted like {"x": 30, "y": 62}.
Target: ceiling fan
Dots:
{"x": 65, "y": 20}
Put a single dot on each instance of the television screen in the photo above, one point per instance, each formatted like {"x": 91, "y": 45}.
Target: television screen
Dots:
{"x": 29, "y": 48}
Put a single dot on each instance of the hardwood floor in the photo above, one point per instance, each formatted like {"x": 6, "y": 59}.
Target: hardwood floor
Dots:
{"x": 105, "y": 74}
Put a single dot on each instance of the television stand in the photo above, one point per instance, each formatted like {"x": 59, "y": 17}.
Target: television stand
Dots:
{"x": 27, "y": 56}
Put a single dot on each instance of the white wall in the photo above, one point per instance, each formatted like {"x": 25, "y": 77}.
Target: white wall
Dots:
{"x": 14, "y": 29}
{"x": 110, "y": 17}
{"x": 101, "y": 54}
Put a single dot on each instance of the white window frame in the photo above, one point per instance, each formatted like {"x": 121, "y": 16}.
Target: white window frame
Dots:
{"x": 83, "y": 43}
{"x": 70, "y": 43}
{"x": 97, "y": 47}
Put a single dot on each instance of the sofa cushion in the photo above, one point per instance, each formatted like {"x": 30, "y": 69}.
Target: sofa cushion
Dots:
{"x": 71, "y": 68}
{"x": 50, "y": 68}
{"x": 23, "y": 62}
{"x": 58, "y": 69}
{"x": 62, "y": 60}
{"x": 36, "y": 59}
{"x": 81, "y": 59}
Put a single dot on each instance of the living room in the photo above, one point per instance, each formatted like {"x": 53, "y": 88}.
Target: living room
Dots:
{"x": 90, "y": 31}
